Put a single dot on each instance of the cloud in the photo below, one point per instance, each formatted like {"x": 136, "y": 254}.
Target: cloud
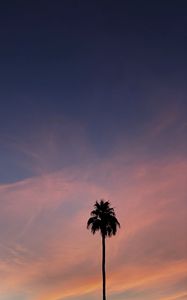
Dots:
{"x": 46, "y": 248}
{"x": 46, "y": 252}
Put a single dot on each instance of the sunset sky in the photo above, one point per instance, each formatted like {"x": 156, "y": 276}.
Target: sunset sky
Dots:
{"x": 93, "y": 104}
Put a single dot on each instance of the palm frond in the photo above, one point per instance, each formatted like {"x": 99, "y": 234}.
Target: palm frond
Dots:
{"x": 103, "y": 219}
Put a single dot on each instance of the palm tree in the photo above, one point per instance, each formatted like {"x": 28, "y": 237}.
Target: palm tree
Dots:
{"x": 103, "y": 219}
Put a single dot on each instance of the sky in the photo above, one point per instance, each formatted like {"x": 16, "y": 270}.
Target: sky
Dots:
{"x": 93, "y": 105}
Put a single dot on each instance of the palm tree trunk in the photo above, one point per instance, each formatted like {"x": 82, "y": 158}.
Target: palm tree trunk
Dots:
{"x": 103, "y": 267}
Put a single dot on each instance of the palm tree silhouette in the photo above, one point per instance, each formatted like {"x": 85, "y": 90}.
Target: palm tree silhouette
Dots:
{"x": 103, "y": 219}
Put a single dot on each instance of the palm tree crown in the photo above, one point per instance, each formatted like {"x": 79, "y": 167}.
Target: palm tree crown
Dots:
{"x": 103, "y": 219}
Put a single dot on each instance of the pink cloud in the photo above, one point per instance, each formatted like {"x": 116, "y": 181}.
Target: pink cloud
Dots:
{"x": 46, "y": 248}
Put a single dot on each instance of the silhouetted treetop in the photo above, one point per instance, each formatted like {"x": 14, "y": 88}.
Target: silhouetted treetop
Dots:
{"x": 103, "y": 219}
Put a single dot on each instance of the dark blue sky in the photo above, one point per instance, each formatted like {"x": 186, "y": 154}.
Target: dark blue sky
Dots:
{"x": 109, "y": 66}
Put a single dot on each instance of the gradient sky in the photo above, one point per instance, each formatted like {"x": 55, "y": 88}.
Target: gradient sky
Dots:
{"x": 93, "y": 104}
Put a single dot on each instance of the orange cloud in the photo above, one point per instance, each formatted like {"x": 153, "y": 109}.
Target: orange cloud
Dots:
{"x": 46, "y": 252}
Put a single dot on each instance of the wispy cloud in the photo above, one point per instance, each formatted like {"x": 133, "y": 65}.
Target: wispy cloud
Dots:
{"x": 47, "y": 253}
{"x": 45, "y": 232}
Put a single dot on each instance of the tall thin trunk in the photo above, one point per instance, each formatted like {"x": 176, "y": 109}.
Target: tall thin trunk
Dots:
{"x": 103, "y": 267}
